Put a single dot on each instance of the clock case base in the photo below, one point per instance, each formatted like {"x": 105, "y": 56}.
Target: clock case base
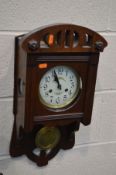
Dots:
{"x": 26, "y": 144}
{"x": 24, "y": 129}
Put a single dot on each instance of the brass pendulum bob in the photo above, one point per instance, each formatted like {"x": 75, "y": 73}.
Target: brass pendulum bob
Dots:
{"x": 47, "y": 138}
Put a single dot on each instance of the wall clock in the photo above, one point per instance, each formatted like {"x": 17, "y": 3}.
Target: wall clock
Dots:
{"x": 55, "y": 76}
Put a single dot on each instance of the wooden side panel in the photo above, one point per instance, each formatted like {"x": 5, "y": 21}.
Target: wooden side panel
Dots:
{"x": 90, "y": 89}
{"x": 19, "y": 86}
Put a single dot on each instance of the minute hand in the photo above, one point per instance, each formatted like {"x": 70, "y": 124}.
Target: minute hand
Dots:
{"x": 57, "y": 80}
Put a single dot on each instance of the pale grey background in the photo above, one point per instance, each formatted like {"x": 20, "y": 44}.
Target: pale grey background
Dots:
{"x": 95, "y": 148}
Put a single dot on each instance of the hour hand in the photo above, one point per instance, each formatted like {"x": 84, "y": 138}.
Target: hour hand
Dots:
{"x": 57, "y": 80}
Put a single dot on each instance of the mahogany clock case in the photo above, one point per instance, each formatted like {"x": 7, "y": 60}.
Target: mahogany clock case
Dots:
{"x": 57, "y": 45}
{"x": 75, "y": 110}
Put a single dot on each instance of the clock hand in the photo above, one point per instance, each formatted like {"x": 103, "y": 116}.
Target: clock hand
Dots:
{"x": 57, "y": 80}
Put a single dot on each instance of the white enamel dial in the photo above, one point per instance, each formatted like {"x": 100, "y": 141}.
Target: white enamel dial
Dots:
{"x": 58, "y": 87}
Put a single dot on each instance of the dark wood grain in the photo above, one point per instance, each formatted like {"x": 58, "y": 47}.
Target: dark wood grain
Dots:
{"x": 74, "y": 46}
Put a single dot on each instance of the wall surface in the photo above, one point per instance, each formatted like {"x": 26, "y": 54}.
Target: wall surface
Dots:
{"x": 95, "y": 148}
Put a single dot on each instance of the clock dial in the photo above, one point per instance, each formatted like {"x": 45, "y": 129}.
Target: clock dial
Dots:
{"x": 59, "y": 86}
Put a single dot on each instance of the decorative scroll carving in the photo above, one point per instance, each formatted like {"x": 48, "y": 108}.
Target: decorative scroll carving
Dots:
{"x": 63, "y": 38}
